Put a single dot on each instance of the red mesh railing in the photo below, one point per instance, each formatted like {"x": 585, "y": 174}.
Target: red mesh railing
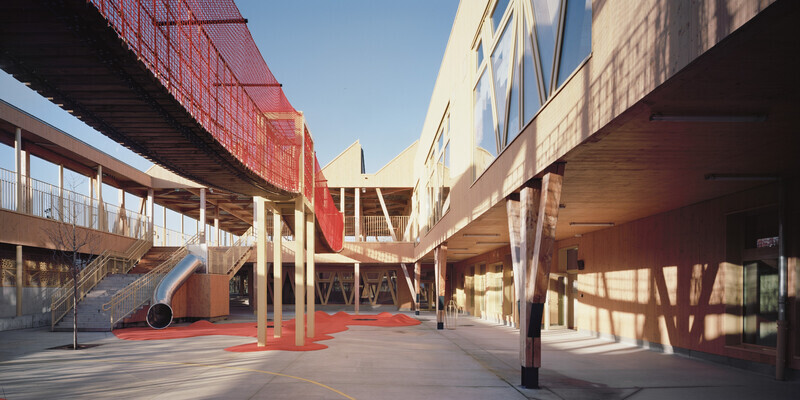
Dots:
{"x": 204, "y": 54}
{"x": 330, "y": 220}
{"x": 308, "y": 168}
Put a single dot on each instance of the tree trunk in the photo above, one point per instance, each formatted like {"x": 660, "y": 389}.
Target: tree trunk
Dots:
{"x": 74, "y": 303}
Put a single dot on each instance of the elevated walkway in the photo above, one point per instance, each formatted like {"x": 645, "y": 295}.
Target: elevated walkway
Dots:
{"x": 217, "y": 116}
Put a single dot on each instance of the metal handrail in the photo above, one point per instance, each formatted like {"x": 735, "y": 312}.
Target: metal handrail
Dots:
{"x": 45, "y": 200}
{"x": 62, "y": 299}
{"x": 236, "y": 255}
{"x": 129, "y": 299}
{"x": 222, "y": 260}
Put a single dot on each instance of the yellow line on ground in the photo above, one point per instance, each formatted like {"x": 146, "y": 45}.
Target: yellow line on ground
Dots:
{"x": 218, "y": 366}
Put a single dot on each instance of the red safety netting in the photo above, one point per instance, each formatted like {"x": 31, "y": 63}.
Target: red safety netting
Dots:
{"x": 204, "y": 54}
{"x": 330, "y": 220}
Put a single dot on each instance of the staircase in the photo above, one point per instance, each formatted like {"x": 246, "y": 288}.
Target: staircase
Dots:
{"x": 152, "y": 259}
{"x": 107, "y": 263}
{"x": 91, "y": 316}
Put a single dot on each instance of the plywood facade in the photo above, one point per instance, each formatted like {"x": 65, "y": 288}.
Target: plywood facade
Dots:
{"x": 670, "y": 280}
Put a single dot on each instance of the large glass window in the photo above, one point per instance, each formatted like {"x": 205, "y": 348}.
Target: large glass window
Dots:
{"x": 577, "y": 37}
{"x": 552, "y": 37}
{"x": 497, "y": 14}
{"x": 437, "y": 194}
{"x": 545, "y": 15}
{"x": 531, "y": 102}
{"x": 485, "y": 143}
{"x": 501, "y": 67}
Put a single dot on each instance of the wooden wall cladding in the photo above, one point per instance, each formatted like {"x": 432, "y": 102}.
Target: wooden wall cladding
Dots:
{"x": 670, "y": 279}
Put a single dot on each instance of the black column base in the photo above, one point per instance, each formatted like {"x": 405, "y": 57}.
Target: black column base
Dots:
{"x": 530, "y": 377}
{"x": 440, "y": 325}
{"x": 416, "y": 312}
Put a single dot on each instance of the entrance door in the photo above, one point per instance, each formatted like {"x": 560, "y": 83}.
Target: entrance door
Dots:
{"x": 760, "y": 322}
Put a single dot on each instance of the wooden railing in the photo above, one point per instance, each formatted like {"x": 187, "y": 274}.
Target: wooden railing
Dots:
{"x": 375, "y": 226}
{"x": 139, "y": 292}
{"x": 62, "y": 300}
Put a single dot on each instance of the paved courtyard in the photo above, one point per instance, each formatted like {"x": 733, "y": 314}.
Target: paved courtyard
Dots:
{"x": 479, "y": 360}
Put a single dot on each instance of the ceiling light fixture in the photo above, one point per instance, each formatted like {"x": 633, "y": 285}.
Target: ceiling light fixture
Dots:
{"x": 481, "y": 235}
{"x": 708, "y": 118}
{"x": 740, "y": 177}
{"x": 591, "y": 224}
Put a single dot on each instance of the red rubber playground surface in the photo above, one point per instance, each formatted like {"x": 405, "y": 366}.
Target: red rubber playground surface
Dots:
{"x": 325, "y": 325}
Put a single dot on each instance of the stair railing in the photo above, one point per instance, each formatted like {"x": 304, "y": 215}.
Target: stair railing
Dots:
{"x": 127, "y": 300}
{"x": 108, "y": 262}
{"x": 239, "y": 252}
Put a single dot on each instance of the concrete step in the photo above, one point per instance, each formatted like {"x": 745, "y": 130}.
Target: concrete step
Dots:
{"x": 91, "y": 316}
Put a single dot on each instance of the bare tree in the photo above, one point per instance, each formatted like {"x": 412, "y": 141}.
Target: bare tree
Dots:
{"x": 73, "y": 239}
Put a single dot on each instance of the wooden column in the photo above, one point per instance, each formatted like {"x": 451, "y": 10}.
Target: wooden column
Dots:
{"x": 299, "y": 271}
{"x": 216, "y": 226}
{"x": 440, "y": 260}
{"x": 102, "y": 225}
{"x": 60, "y": 207}
{"x": 277, "y": 273}
{"x": 20, "y": 281}
{"x": 150, "y": 211}
{"x": 202, "y": 222}
{"x": 20, "y": 208}
{"x": 417, "y": 273}
{"x": 357, "y": 219}
{"x": 122, "y": 217}
{"x": 18, "y": 170}
{"x": 310, "y": 275}
{"x": 357, "y": 286}
{"x": 341, "y": 200}
{"x": 538, "y": 215}
{"x": 261, "y": 271}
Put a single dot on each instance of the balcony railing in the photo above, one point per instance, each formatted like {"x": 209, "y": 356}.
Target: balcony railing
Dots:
{"x": 44, "y": 200}
{"x": 375, "y": 228}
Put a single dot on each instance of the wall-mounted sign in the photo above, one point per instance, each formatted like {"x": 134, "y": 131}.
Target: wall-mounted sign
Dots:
{"x": 767, "y": 242}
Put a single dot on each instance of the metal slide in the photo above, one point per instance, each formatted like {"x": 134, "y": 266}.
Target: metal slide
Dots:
{"x": 159, "y": 315}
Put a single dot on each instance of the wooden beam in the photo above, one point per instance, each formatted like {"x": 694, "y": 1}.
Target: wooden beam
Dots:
{"x": 417, "y": 273}
{"x": 299, "y": 271}
{"x": 310, "y": 275}
{"x": 537, "y": 240}
{"x": 386, "y": 215}
{"x": 277, "y": 273}
{"x": 261, "y": 271}
{"x": 356, "y": 286}
{"x": 514, "y": 222}
{"x": 440, "y": 260}
{"x": 404, "y": 267}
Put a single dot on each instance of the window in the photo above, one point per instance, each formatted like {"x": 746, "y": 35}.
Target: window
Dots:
{"x": 532, "y": 46}
{"x": 479, "y": 54}
{"x": 437, "y": 167}
{"x": 577, "y": 37}
{"x": 497, "y": 14}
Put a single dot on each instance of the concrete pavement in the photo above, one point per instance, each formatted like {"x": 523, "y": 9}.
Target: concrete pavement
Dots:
{"x": 479, "y": 360}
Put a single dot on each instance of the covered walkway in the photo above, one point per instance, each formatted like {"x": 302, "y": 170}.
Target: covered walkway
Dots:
{"x": 476, "y": 361}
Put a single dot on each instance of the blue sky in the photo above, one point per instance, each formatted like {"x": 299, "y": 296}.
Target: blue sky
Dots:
{"x": 358, "y": 70}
